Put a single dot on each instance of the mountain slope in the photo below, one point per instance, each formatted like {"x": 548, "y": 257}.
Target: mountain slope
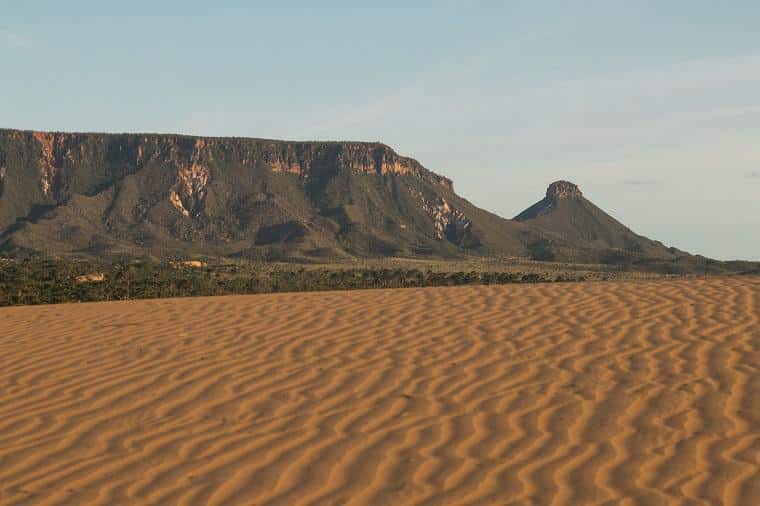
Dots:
{"x": 169, "y": 195}
{"x": 151, "y": 195}
{"x": 566, "y": 213}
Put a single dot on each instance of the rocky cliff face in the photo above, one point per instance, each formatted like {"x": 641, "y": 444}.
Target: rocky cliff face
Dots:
{"x": 448, "y": 222}
{"x": 57, "y": 156}
{"x": 189, "y": 191}
{"x": 563, "y": 190}
{"x": 351, "y": 194}
{"x": 56, "y": 152}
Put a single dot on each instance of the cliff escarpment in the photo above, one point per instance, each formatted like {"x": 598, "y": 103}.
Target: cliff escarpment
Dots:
{"x": 169, "y": 194}
{"x": 58, "y": 157}
{"x": 89, "y": 194}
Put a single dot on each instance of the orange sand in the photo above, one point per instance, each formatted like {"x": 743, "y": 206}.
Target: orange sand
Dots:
{"x": 592, "y": 393}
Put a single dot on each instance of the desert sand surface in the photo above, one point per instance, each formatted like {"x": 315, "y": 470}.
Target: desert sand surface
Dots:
{"x": 644, "y": 392}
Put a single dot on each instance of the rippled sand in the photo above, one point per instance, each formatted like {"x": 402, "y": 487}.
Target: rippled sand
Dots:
{"x": 591, "y": 393}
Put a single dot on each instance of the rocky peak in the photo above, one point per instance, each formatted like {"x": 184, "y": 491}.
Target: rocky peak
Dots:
{"x": 557, "y": 191}
{"x": 563, "y": 190}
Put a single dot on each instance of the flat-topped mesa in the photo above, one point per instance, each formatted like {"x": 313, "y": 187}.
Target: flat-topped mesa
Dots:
{"x": 59, "y": 154}
{"x": 563, "y": 190}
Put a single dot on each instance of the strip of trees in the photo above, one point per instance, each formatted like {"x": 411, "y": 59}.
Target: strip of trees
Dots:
{"x": 33, "y": 281}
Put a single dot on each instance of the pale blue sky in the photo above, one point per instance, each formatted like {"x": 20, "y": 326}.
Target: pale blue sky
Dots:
{"x": 652, "y": 107}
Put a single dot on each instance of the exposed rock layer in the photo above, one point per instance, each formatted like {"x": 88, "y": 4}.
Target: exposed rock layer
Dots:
{"x": 150, "y": 189}
{"x": 189, "y": 191}
{"x": 448, "y": 222}
{"x": 58, "y": 153}
{"x": 563, "y": 190}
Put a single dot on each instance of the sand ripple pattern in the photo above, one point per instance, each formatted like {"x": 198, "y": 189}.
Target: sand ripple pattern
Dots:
{"x": 593, "y": 393}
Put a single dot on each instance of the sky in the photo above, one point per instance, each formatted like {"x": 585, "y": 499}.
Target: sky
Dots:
{"x": 651, "y": 107}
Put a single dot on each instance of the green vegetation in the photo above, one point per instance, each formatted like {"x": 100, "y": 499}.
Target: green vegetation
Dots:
{"x": 54, "y": 281}
{"x": 46, "y": 281}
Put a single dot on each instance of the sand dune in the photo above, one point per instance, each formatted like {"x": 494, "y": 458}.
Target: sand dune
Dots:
{"x": 593, "y": 393}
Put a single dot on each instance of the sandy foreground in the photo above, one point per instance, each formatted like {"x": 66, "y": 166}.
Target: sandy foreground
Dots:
{"x": 588, "y": 393}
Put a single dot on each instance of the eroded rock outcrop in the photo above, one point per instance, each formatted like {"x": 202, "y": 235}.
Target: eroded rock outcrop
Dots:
{"x": 448, "y": 222}
{"x": 303, "y": 158}
{"x": 563, "y": 190}
{"x": 189, "y": 191}
{"x": 56, "y": 150}
{"x": 556, "y": 192}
